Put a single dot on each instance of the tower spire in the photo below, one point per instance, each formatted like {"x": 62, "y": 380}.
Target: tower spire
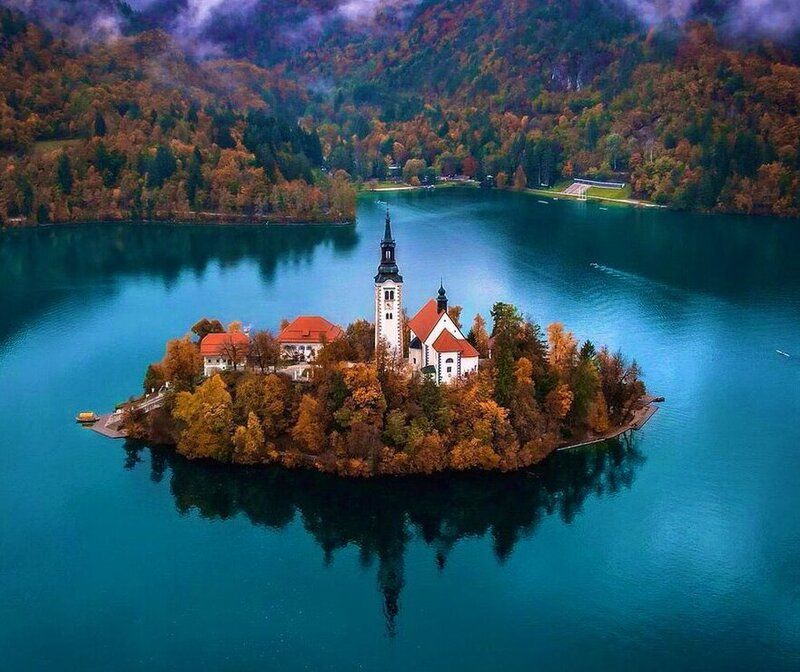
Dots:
{"x": 389, "y": 296}
{"x": 387, "y": 232}
{"x": 388, "y": 265}
{"x": 441, "y": 299}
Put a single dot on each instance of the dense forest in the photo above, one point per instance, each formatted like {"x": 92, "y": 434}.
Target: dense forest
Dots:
{"x": 362, "y": 413}
{"x": 270, "y": 108}
{"x": 133, "y": 128}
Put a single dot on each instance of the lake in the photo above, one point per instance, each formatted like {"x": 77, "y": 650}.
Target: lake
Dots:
{"x": 679, "y": 549}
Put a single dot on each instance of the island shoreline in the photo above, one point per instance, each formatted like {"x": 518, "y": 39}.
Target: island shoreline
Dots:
{"x": 111, "y": 426}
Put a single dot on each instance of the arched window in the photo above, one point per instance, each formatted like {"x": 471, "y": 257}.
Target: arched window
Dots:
{"x": 449, "y": 360}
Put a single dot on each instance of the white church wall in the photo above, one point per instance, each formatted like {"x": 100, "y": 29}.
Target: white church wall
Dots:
{"x": 388, "y": 315}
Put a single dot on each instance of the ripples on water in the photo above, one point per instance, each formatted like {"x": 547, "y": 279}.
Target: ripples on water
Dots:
{"x": 681, "y": 550}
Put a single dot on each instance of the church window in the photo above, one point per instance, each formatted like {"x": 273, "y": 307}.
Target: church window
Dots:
{"x": 388, "y": 316}
{"x": 388, "y": 295}
{"x": 449, "y": 369}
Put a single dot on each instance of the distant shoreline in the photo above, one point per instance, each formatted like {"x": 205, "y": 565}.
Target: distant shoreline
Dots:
{"x": 208, "y": 219}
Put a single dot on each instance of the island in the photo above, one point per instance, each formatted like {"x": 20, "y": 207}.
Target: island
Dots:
{"x": 395, "y": 396}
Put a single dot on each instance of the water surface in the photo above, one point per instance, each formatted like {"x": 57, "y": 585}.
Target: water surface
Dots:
{"x": 680, "y": 550}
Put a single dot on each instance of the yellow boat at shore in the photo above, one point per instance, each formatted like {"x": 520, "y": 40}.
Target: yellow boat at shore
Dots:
{"x": 87, "y": 417}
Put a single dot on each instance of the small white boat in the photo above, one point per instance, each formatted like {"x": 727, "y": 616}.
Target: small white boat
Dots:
{"x": 543, "y": 202}
{"x": 782, "y": 353}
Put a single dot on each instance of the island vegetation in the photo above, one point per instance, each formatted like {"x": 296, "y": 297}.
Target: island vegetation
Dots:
{"x": 362, "y": 413}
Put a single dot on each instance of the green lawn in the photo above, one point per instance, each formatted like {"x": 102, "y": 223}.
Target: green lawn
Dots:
{"x": 604, "y": 192}
{"x": 45, "y": 146}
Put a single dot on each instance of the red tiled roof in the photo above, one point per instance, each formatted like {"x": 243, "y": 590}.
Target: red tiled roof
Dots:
{"x": 425, "y": 320}
{"x": 310, "y": 329}
{"x": 446, "y": 342}
{"x": 214, "y": 345}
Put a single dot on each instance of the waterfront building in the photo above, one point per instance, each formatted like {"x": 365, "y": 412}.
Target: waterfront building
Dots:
{"x": 304, "y": 337}
{"x": 224, "y": 351}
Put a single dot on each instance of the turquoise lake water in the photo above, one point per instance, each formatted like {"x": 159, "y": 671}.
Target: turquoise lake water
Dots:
{"x": 678, "y": 551}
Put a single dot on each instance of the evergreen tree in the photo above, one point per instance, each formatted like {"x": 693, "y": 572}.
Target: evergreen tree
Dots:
{"x": 64, "y": 172}
{"x": 99, "y": 125}
{"x": 194, "y": 177}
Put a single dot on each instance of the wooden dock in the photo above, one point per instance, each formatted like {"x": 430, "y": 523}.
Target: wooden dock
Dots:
{"x": 109, "y": 425}
{"x": 638, "y": 420}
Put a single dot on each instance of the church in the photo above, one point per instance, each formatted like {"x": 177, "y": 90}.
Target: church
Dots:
{"x": 436, "y": 345}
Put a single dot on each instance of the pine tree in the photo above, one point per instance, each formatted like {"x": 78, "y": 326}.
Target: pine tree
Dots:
{"x": 99, "y": 125}
{"x": 64, "y": 174}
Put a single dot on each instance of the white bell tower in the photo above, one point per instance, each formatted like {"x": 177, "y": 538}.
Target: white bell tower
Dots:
{"x": 389, "y": 296}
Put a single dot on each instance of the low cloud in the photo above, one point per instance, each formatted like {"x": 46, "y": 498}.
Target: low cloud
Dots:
{"x": 85, "y": 21}
{"x": 777, "y": 19}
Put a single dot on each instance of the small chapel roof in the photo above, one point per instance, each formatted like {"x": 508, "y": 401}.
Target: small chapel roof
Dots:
{"x": 446, "y": 342}
{"x": 425, "y": 320}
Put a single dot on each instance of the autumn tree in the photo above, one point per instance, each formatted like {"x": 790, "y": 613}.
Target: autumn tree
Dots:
{"x": 520, "y": 180}
{"x": 205, "y": 326}
{"x": 563, "y": 349}
{"x": 265, "y": 351}
{"x": 248, "y": 442}
{"x": 454, "y": 312}
{"x": 182, "y": 364}
{"x": 208, "y": 421}
{"x": 478, "y": 335}
{"x": 309, "y": 431}
{"x": 236, "y": 350}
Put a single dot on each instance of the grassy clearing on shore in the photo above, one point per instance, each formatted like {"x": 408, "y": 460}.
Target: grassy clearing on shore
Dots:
{"x": 606, "y": 192}
{"x": 47, "y": 146}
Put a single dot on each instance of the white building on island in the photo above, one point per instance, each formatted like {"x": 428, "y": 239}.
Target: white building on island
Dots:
{"x": 227, "y": 350}
{"x": 436, "y": 345}
{"x": 389, "y": 297}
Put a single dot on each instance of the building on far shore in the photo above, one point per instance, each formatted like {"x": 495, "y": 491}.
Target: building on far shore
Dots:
{"x": 304, "y": 337}
{"x": 221, "y": 352}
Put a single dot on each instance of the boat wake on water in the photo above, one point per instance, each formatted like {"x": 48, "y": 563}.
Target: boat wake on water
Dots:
{"x": 632, "y": 278}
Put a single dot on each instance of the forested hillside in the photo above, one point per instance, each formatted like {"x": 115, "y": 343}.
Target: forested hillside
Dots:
{"x": 535, "y": 92}
{"x": 251, "y": 109}
{"x": 133, "y": 128}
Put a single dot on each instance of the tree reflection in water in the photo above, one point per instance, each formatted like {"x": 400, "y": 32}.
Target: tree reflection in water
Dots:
{"x": 380, "y": 516}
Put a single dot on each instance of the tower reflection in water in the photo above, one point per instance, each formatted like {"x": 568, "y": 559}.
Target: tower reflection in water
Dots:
{"x": 381, "y": 516}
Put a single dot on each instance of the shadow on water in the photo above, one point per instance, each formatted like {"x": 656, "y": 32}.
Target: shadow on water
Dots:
{"x": 381, "y": 516}
{"x": 41, "y": 267}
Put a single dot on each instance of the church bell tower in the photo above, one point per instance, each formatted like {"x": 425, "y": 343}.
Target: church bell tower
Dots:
{"x": 389, "y": 296}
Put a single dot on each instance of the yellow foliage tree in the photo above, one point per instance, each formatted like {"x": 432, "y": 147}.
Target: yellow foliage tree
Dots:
{"x": 563, "y": 349}
{"x": 365, "y": 403}
{"x": 182, "y": 363}
{"x": 248, "y": 442}
{"x": 308, "y": 432}
{"x": 208, "y": 418}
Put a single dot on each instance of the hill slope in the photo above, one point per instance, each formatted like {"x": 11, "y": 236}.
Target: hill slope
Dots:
{"x": 531, "y": 91}
{"x": 133, "y": 128}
